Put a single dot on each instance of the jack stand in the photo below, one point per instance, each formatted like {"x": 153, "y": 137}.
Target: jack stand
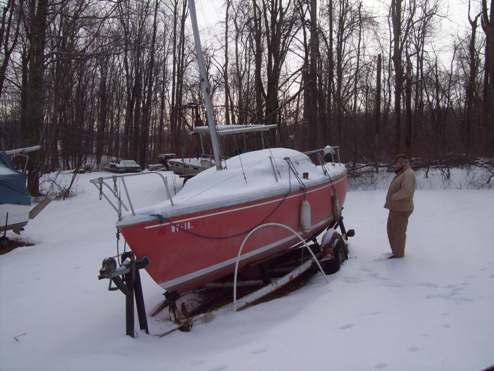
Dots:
{"x": 127, "y": 279}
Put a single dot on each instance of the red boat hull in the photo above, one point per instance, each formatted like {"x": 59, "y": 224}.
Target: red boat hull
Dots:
{"x": 188, "y": 251}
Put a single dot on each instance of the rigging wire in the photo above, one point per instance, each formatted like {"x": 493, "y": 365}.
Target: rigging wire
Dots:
{"x": 238, "y": 234}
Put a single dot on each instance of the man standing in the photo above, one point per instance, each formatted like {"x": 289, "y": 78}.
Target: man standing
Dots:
{"x": 399, "y": 202}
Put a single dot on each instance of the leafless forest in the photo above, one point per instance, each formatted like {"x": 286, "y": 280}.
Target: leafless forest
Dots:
{"x": 88, "y": 79}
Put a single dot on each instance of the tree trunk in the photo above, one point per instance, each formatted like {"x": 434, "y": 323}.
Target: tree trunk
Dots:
{"x": 258, "y": 63}
{"x": 488, "y": 27}
{"x": 9, "y": 34}
{"x": 225, "y": 67}
{"x": 311, "y": 84}
{"x": 470, "y": 84}
{"x": 35, "y": 89}
{"x": 102, "y": 116}
{"x": 396, "y": 16}
{"x": 408, "y": 107}
{"x": 377, "y": 109}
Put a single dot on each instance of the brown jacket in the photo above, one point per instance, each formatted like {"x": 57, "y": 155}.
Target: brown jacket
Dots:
{"x": 401, "y": 190}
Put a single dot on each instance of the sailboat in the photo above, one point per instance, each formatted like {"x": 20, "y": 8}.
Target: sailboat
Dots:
{"x": 195, "y": 237}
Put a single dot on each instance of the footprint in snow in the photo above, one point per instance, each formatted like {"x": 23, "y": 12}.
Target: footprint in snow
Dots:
{"x": 220, "y": 368}
{"x": 382, "y": 259}
{"x": 373, "y": 313}
{"x": 197, "y": 363}
{"x": 429, "y": 285}
{"x": 391, "y": 285}
{"x": 377, "y": 276}
{"x": 451, "y": 296}
{"x": 380, "y": 366}
{"x": 351, "y": 279}
{"x": 347, "y": 326}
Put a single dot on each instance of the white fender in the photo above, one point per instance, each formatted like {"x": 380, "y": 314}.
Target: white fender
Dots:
{"x": 305, "y": 216}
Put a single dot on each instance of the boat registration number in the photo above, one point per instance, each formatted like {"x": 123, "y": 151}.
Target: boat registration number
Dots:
{"x": 180, "y": 227}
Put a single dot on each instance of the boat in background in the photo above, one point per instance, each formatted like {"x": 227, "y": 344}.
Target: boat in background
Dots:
{"x": 189, "y": 166}
{"x": 122, "y": 166}
{"x": 15, "y": 200}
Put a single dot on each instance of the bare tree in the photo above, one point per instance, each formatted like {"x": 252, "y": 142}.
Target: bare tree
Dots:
{"x": 472, "y": 77}
{"x": 487, "y": 21}
{"x": 12, "y": 16}
{"x": 34, "y": 86}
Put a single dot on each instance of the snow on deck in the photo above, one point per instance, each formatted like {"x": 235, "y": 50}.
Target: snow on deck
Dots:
{"x": 429, "y": 311}
{"x": 247, "y": 177}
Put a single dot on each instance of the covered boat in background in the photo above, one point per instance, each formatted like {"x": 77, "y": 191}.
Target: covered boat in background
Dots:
{"x": 15, "y": 200}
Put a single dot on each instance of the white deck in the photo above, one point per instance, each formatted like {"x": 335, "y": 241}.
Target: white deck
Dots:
{"x": 247, "y": 177}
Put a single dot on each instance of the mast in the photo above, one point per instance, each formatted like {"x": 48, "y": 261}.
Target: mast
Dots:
{"x": 205, "y": 87}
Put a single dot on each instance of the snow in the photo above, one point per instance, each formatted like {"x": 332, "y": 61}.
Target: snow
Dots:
{"x": 188, "y": 161}
{"x": 455, "y": 178}
{"x": 429, "y": 311}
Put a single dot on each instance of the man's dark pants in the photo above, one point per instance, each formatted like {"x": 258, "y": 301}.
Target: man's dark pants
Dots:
{"x": 397, "y": 231}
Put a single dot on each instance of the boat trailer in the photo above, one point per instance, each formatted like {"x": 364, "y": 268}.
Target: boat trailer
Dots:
{"x": 261, "y": 280}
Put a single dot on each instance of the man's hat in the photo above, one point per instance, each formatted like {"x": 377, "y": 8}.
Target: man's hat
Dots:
{"x": 401, "y": 156}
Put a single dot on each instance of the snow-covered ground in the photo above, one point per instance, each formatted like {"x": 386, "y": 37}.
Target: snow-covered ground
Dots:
{"x": 433, "y": 310}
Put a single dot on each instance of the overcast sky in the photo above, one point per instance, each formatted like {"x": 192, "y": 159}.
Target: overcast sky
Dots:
{"x": 211, "y": 14}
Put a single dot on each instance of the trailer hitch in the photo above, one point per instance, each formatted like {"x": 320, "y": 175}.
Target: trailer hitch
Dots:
{"x": 125, "y": 275}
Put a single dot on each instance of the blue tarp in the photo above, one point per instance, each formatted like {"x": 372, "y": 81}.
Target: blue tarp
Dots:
{"x": 12, "y": 183}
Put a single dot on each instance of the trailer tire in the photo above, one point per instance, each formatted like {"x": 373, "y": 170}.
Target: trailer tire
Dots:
{"x": 339, "y": 255}
{"x": 333, "y": 265}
